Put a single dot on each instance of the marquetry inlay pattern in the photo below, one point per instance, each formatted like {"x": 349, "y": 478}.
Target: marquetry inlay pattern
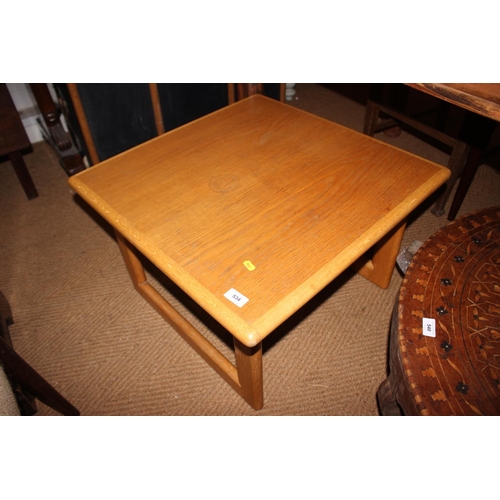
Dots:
{"x": 455, "y": 279}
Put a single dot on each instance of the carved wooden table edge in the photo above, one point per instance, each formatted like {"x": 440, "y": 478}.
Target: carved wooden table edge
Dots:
{"x": 454, "y": 280}
{"x": 481, "y": 98}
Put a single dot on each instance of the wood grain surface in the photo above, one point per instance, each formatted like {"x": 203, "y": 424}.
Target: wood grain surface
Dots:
{"x": 258, "y": 197}
{"x": 481, "y": 98}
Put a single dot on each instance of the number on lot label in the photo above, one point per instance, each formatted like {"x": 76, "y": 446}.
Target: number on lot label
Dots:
{"x": 429, "y": 327}
{"x": 236, "y": 297}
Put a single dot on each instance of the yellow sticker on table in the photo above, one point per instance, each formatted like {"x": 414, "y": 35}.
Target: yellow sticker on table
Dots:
{"x": 249, "y": 265}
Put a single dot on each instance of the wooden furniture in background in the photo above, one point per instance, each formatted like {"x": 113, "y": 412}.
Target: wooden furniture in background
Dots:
{"x": 27, "y": 383}
{"x": 379, "y": 102}
{"x": 112, "y": 118}
{"x": 54, "y": 133}
{"x": 14, "y": 141}
{"x": 480, "y": 98}
{"x": 482, "y": 102}
{"x": 454, "y": 279}
{"x": 252, "y": 210}
{"x": 482, "y": 105}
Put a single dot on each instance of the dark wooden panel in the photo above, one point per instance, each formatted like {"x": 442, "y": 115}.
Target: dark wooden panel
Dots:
{"x": 185, "y": 102}
{"x": 120, "y": 115}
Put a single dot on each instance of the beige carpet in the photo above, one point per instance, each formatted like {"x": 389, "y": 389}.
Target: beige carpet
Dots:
{"x": 79, "y": 322}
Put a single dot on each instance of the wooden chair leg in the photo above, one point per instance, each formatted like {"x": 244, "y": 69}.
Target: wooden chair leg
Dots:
{"x": 456, "y": 164}
{"x": 371, "y": 118}
{"x": 372, "y": 113}
{"x": 23, "y": 174}
{"x": 32, "y": 382}
{"x": 380, "y": 96}
{"x": 27, "y": 383}
{"x": 466, "y": 179}
{"x": 476, "y": 131}
{"x": 25, "y": 402}
{"x": 5, "y": 319}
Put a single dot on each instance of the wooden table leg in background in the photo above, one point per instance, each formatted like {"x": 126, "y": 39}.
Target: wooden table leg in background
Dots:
{"x": 378, "y": 269}
{"x": 477, "y": 132}
{"x": 14, "y": 140}
{"x": 23, "y": 175}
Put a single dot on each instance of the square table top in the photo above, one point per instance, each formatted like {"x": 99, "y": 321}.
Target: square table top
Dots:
{"x": 257, "y": 201}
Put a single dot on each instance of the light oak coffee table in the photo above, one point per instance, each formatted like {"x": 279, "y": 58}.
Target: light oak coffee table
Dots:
{"x": 252, "y": 210}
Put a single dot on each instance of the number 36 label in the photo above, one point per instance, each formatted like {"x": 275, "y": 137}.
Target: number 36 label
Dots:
{"x": 236, "y": 297}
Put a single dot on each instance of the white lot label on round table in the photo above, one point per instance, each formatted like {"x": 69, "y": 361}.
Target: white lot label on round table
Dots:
{"x": 236, "y": 297}
{"x": 429, "y": 327}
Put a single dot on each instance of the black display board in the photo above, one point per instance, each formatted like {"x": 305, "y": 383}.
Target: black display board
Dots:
{"x": 121, "y": 116}
{"x": 184, "y": 102}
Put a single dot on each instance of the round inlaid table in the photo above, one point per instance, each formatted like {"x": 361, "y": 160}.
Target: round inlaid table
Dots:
{"x": 451, "y": 290}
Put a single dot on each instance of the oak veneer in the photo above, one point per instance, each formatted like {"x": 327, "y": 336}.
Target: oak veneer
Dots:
{"x": 261, "y": 198}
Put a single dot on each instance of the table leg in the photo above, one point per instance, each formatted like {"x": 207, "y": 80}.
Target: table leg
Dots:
{"x": 386, "y": 399}
{"x": 477, "y": 131}
{"x": 23, "y": 174}
{"x": 456, "y": 164}
{"x": 378, "y": 269}
{"x": 245, "y": 378}
{"x": 249, "y": 365}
